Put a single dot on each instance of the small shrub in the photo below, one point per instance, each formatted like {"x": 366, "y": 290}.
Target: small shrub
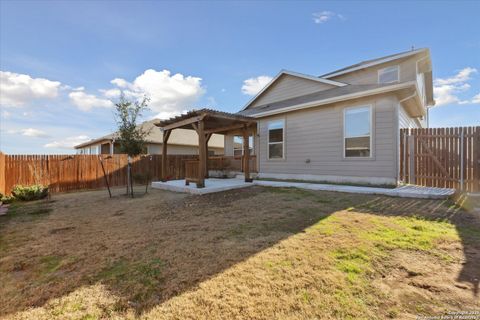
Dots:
{"x": 29, "y": 193}
{"x": 6, "y": 199}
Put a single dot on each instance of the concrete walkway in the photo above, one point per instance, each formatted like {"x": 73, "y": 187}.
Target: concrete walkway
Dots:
{"x": 408, "y": 191}
{"x": 216, "y": 185}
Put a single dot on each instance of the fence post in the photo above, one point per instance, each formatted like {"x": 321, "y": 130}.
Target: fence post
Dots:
{"x": 411, "y": 154}
{"x": 476, "y": 160}
{"x": 462, "y": 158}
{"x": 404, "y": 137}
{"x": 2, "y": 174}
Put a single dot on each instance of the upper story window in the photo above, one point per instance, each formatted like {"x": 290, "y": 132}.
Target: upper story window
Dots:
{"x": 357, "y": 132}
{"x": 389, "y": 74}
{"x": 276, "y": 136}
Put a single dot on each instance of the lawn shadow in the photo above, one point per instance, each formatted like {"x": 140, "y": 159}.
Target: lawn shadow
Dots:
{"x": 162, "y": 248}
{"x": 148, "y": 250}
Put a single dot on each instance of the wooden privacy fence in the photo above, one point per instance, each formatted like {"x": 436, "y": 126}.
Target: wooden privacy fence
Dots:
{"x": 441, "y": 157}
{"x": 75, "y": 172}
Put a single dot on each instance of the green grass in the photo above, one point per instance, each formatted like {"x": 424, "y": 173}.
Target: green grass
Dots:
{"x": 409, "y": 233}
{"x": 377, "y": 237}
{"x": 50, "y": 263}
{"x": 352, "y": 260}
{"x": 125, "y": 275}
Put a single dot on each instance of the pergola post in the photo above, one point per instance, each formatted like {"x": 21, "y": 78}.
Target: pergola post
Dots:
{"x": 246, "y": 155}
{"x": 202, "y": 154}
{"x": 207, "y": 138}
{"x": 166, "y": 135}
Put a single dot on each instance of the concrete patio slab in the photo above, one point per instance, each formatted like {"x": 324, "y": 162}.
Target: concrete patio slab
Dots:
{"x": 217, "y": 185}
{"x": 211, "y": 185}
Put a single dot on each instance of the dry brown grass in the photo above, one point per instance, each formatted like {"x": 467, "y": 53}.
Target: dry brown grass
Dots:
{"x": 256, "y": 253}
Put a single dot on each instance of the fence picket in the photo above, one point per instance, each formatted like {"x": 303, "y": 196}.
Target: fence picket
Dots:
{"x": 441, "y": 157}
{"x": 75, "y": 172}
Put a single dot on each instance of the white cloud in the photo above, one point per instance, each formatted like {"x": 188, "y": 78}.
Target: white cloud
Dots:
{"x": 67, "y": 143}
{"x": 324, "y": 16}
{"x": 476, "y": 98}
{"x": 30, "y": 132}
{"x": 18, "y": 89}
{"x": 253, "y": 85}
{"x": 6, "y": 114}
{"x": 85, "y": 101}
{"x": 111, "y": 93}
{"x": 169, "y": 94}
{"x": 447, "y": 90}
{"x": 120, "y": 83}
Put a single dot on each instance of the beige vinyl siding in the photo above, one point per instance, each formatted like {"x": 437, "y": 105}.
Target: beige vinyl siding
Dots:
{"x": 317, "y": 134}
{"x": 287, "y": 87}
{"x": 405, "y": 121}
{"x": 408, "y": 72}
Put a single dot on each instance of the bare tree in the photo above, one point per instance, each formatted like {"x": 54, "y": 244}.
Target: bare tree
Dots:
{"x": 131, "y": 136}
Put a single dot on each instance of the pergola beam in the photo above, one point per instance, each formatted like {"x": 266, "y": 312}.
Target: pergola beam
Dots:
{"x": 184, "y": 122}
{"x": 227, "y": 128}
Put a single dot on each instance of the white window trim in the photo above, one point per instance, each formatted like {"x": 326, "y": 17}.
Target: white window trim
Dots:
{"x": 250, "y": 145}
{"x": 283, "y": 140}
{"x": 241, "y": 147}
{"x": 395, "y": 81}
{"x": 369, "y": 106}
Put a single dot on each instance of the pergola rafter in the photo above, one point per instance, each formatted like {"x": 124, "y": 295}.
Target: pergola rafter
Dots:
{"x": 206, "y": 122}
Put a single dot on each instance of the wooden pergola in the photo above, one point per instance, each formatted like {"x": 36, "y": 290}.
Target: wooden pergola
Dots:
{"x": 207, "y": 122}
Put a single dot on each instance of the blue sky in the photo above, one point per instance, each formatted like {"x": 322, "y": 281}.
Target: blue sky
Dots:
{"x": 62, "y": 61}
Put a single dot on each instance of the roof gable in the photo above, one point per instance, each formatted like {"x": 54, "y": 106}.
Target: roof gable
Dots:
{"x": 299, "y": 84}
{"x": 372, "y": 62}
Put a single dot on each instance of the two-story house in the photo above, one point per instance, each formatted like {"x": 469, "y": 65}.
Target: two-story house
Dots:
{"x": 342, "y": 126}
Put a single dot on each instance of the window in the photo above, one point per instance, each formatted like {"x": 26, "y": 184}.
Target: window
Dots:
{"x": 357, "y": 132}
{"x": 238, "y": 145}
{"x": 389, "y": 74}
{"x": 275, "y": 139}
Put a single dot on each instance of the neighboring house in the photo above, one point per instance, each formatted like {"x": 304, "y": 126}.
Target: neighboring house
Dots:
{"x": 181, "y": 142}
{"x": 342, "y": 126}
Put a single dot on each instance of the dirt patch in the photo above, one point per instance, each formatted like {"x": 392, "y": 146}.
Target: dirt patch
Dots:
{"x": 249, "y": 253}
{"x": 61, "y": 230}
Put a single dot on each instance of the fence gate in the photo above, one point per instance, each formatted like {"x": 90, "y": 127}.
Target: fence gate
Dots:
{"x": 441, "y": 157}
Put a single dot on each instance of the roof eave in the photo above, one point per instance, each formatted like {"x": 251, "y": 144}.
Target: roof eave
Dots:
{"x": 336, "y": 99}
{"x": 91, "y": 142}
{"x": 374, "y": 63}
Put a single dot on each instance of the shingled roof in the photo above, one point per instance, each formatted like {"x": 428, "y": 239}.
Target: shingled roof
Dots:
{"x": 373, "y": 62}
{"x": 316, "y": 97}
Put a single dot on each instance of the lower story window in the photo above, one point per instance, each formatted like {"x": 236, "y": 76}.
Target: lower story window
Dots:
{"x": 276, "y": 139}
{"x": 238, "y": 145}
{"x": 357, "y": 132}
